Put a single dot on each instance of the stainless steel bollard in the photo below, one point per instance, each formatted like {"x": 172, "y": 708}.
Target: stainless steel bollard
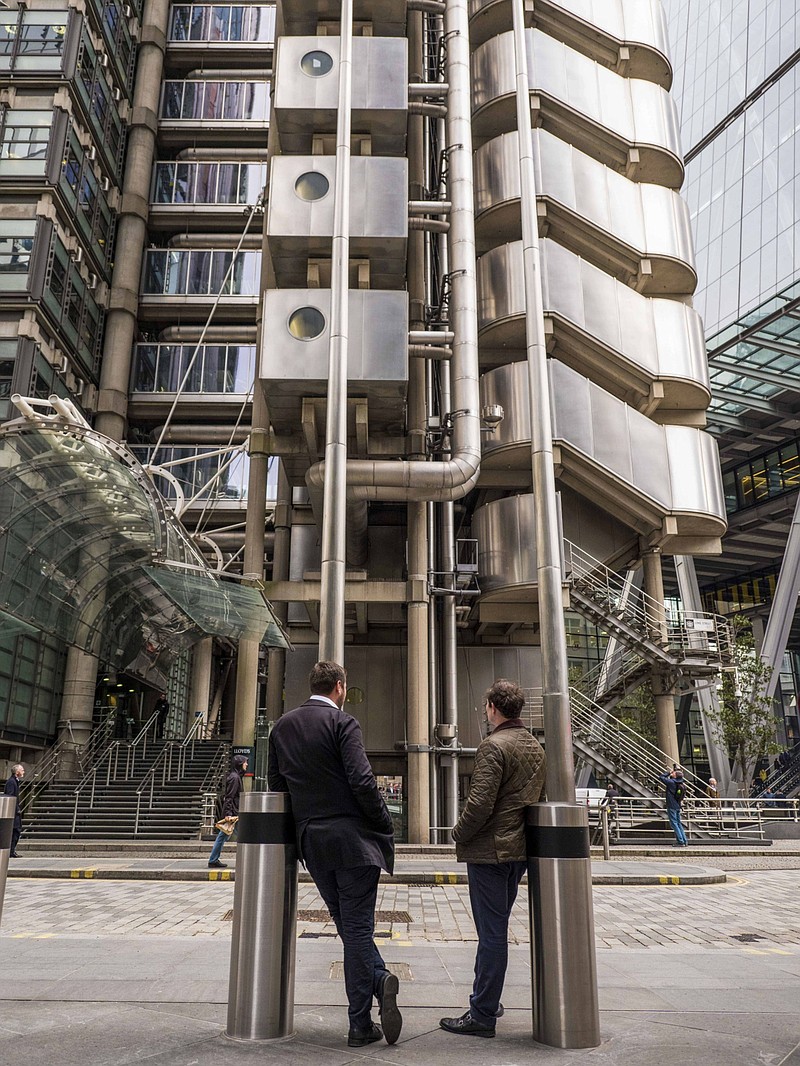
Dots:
{"x": 563, "y": 967}
{"x": 261, "y": 989}
{"x": 8, "y": 807}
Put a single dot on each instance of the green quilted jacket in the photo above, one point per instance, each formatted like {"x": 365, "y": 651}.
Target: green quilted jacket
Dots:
{"x": 509, "y": 774}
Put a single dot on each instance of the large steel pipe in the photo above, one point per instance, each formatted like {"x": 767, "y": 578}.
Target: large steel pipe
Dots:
{"x": 8, "y": 807}
{"x": 261, "y": 989}
{"x": 563, "y": 965}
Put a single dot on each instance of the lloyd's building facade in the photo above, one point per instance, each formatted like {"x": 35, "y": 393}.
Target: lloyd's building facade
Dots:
{"x": 401, "y": 238}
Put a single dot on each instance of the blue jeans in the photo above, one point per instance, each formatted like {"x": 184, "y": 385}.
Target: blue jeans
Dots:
{"x": 350, "y": 896}
{"x": 674, "y": 815}
{"x": 216, "y": 851}
{"x": 492, "y": 891}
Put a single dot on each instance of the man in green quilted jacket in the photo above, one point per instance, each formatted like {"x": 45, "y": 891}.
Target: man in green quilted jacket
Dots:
{"x": 509, "y": 775}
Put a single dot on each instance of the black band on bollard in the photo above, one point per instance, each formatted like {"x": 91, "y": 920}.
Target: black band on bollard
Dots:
{"x": 557, "y": 842}
{"x": 6, "y": 827}
{"x": 265, "y": 827}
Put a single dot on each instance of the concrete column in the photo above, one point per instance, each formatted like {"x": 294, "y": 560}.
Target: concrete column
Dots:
{"x": 77, "y": 704}
{"x": 666, "y": 728}
{"x": 280, "y": 572}
{"x": 253, "y": 567}
{"x": 131, "y": 236}
{"x": 200, "y": 698}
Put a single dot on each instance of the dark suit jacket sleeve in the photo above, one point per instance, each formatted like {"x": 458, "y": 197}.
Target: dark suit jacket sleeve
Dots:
{"x": 360, "y": 776}
{"x": 275, "y": 779}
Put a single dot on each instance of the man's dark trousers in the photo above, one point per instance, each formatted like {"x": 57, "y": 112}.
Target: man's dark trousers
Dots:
{"x": 492, "y": 891}
{"x": 350, "y": 896}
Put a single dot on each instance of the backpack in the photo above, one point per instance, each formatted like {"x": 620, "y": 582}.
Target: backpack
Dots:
{"x": 680, "y": 792}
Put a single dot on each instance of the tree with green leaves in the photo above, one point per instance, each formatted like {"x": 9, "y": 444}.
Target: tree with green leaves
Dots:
{"x": 744, "y": 716}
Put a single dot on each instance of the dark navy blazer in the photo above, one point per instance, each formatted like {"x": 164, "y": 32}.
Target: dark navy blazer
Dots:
{"x": 316, "y": 754}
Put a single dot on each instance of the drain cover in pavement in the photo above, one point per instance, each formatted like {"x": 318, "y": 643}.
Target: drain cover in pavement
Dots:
{"x": 747, "y": 938}
{"x": 401, "y": 969}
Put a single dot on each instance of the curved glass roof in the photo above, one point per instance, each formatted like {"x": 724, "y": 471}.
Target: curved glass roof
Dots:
{"x": 91, "y": 553}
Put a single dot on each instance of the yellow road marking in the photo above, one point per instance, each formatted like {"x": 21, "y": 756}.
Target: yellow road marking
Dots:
{"x": 82, "y": 873}
{"x": 445, "y": 879}
{"x": 669, "y": 880}
{"x": 219, "y": 875}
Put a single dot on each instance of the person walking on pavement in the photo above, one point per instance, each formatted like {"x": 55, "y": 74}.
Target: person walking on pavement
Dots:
{"x": 230, "y": 809}
{"x": 676, "y": 790}
{"x": 12, "y": 789}
{"x": 345, "y": 837}
{"x": 509, "y": 775}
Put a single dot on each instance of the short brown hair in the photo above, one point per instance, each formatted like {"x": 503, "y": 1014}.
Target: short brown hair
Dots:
{"x": 324, "y": 676}
{"x": 506, "y": 697}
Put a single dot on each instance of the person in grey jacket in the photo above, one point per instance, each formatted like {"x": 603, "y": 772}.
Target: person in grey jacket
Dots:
{"x": 509, "y": 775}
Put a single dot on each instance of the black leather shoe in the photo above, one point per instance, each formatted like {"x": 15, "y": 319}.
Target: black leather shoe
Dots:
{"x": 362, "y": 1037}
{"x": 217, "y": 865}
{"x": 14, "y": 855}
{"x": 391, "y": 1018}
{"x": 466, "y": 1026}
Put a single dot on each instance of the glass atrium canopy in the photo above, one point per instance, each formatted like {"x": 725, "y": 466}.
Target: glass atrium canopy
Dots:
{"x": 90, "y": 553}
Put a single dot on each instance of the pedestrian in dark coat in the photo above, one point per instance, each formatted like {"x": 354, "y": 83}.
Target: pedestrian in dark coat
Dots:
{"x": 345, "y": 836}
{"x": 12, "y": 789}
{"x": 230, "y": 809}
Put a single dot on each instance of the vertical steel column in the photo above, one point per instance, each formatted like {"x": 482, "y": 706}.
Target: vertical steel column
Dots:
{"x": 334, "y": 518}
{"x": 707, "y": 697}
{"x": 666, "y": 727}
{"x": 449, "y": 710}
{"x": 200, "y": 689}
{"x": 555, "y": 677}
{"x": 784, "y": 604}
{"x": 563, "y": 969}
{"x": 276, "y": 657}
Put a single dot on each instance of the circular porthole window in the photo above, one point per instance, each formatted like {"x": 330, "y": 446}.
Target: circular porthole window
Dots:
{"x": 312, "y": 185}
{"x": 316, "y": 64}
{"x": 306, "y": 323}
{"x": 354, "y": 695}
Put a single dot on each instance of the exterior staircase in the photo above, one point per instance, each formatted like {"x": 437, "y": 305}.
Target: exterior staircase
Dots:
{"x": 675, "y": 644}
{"x": 157, "y": 794}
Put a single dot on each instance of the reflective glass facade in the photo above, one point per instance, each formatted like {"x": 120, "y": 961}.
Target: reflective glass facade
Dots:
{"x": 740, "y": 125}
{"x": 222, "y": 23}
{"x": 212, "y": 368}
{"x": 208, "y": 183}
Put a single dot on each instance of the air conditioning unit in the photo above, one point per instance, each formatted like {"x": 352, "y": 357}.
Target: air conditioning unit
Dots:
{"x": 93, "y": 279}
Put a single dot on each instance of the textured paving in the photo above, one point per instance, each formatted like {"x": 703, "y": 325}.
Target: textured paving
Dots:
{"x": 765, "y": 906}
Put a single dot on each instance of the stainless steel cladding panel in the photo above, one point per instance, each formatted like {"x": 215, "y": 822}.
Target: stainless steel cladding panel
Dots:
{"x": 635, "y": 336}
{"x": 301, "y": 196}
{"x": 506, "y": 537}
{"x": 387, "y": 17}
{"x": 306, "y": 90}
{"x": 296, "y": 332}
{"x": 630, "y": 111}
{"x": 600, "y": 28}
{"x": 694, "y": 470}
{"x": 644, "y": 220}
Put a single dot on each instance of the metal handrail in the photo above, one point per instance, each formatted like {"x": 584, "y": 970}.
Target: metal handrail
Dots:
{"x": 210, "y": 787}
{"x": 692, "y": 634}
{"x": 164, "y": 762}
{"x": 701, "y": 816}
{"x": 628, "y": 751}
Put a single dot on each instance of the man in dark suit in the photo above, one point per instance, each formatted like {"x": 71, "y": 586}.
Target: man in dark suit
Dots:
{"x": 316, "y": 754}
{"x": 12, "y": 789}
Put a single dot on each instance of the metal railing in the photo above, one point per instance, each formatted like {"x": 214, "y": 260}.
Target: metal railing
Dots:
{"x": 625, "y": 675}
{"x": 210, "y": 788}
{"x": 703, "y": 819}
{"x": 786, "y": 779}
{"x": 679, "y": 633}
{"x": 110, "y": 760}
{"x": 47, "y": 771}
{"x": 170, "y": 765}
{"x": 629, "y": 753}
